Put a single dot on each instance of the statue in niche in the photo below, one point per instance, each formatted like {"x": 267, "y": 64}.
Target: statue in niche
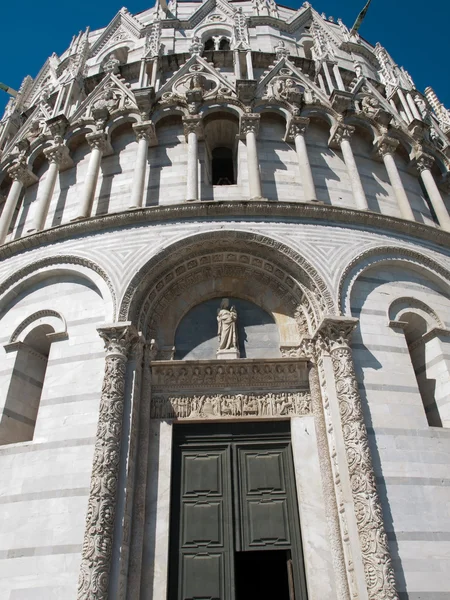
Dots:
{"x": 227, "y": 330}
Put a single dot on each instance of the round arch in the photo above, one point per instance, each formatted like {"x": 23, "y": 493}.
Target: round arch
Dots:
{"x": 387, "y": 254}
{"x": 53, "y": 265}
{"x": 226, "y": 263}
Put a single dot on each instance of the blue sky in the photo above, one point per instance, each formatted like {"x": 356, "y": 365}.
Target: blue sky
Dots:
{"x": 416, "y": 34}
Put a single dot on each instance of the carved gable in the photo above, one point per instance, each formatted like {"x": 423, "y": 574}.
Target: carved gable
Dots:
{"x": 111, "y": 93}
{"x": 123, "y": 27}
{"x": 285, "y": 75}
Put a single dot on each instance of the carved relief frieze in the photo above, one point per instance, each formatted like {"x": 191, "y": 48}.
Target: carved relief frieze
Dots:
{"x": 206, "y": 406}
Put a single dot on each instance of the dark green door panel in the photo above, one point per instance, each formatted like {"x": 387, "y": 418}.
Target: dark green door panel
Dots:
{"x": 233, "y": 491}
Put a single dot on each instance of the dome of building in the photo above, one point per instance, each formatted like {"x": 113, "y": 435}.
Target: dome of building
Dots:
{"x": 225, "y": 315}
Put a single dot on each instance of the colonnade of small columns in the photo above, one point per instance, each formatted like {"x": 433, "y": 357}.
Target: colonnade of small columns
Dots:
{"x": 340, "y": 138}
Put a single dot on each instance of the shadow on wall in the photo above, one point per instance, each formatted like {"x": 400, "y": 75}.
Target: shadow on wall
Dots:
{"x": 196, "y": 336}
{"x": 364, "y": 359}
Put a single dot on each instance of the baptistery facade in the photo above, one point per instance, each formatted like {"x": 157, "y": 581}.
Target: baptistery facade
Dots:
{"x": 225, "y": 315}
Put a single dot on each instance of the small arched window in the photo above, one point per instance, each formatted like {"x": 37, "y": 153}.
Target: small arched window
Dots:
{"x": 209, "y": 45}
{"x": 224, "y": 44}
{"x": 426, "y": 341}
{"x": 19, "y": 416}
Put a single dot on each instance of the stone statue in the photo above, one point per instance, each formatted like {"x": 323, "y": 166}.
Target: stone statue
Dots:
{"x": 227, "y": 332}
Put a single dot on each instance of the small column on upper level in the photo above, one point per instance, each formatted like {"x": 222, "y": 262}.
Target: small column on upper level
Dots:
{"x": 296, "y": 133}
{"x": 249, "y": 63}
{"x": 145, "y": 136}
{"x": 340, "y": 138}
{"x": 248, "y": 130}
{"x": 193, "y": 129}
{"x": 22, "y": 177}
{"x": 424, "y": 163}
{"x": 99, "y": 145}
{"x": 59, "y": 160}
{"x": 385, "y": 149}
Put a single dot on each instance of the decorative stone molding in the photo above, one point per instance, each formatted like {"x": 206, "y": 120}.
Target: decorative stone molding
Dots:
{"x": 381, "y": 254}
{"x": 119, "y": 339}
{"x": 37, "y": 316}
{"x": 328, "y": 484}
{"x": 240, "y": 375}
{"x": 282, "y": 404}
{"x": 295, "y": 211}
{"x": 50, "y": 261}
{"x": 249, "y": 124}
{"x": 246, "y": 90}
{"x": 376, "y": 557}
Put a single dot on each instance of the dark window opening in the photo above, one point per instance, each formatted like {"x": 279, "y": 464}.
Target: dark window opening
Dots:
{"x": 224, "y": 44}
{"x": 263, "y": 575}
{"x": 209, "y": 45}
{"x": 222, "y": 167}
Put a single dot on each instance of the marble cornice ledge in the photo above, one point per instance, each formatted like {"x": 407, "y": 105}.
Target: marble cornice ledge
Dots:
{"x": 245, "y": 209}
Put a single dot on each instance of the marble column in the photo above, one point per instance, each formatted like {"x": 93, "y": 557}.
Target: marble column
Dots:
{"x": 340, "y": 138}
{"x": 424, "y": 163}
{"x": 249, "y": 63}
{"x": 296, "y": 132}
{"x": 59, "y": 160}
{"x": 140, "y": 494}
{"x": 386, "y": 148}
{"x": 192, "y": 131}
{"x": 98, "y": 143}
{"x": 404, "y": 103}
{"x": 21, "y": 177}
{"x": 145, "y": 136}
{"x": 249, "y": 127}
{"x": 237, "y": 64}
{"x": 335, "y": 334}
{"x": 119, "y": 339}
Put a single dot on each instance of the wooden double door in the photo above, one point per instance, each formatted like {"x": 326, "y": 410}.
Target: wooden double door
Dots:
{"x": 235, "y": 531}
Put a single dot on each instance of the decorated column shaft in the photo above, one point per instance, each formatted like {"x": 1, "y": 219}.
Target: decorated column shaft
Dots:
{"x": 22, "y": 177}
{"x": 95, "y": 567}
{"x": 375, "y": 553}
{"x": 145, "y": 136}
{"x": 249, "y": 130}
{"x": 424, "y": 163}
{"x": 296, "y": 132}
{"x": 386, "y": 148}
{"x": 340, "y": 138}
{"x": 192, "y": 129}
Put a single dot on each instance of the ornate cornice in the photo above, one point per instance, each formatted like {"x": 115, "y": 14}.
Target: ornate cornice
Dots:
{"x": 294, "y": 211}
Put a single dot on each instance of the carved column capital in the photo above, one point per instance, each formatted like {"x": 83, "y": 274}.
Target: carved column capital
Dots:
{"x": 118, "y": 338}
{"x": 249, "y": 124}
{"x": 59, "y": 154}
{"x": 192, "y": 125}
{"x": 146, "y": 131}
{"x": 336, "y": 332}
{"x": 424, "y": 162}
{"x": 386, "y": 145}
{"x": 297, "y": 126}
{"x": 98, "y": 140}
{"x": 339, "y": 133}
{"x": 19, "y": 171}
